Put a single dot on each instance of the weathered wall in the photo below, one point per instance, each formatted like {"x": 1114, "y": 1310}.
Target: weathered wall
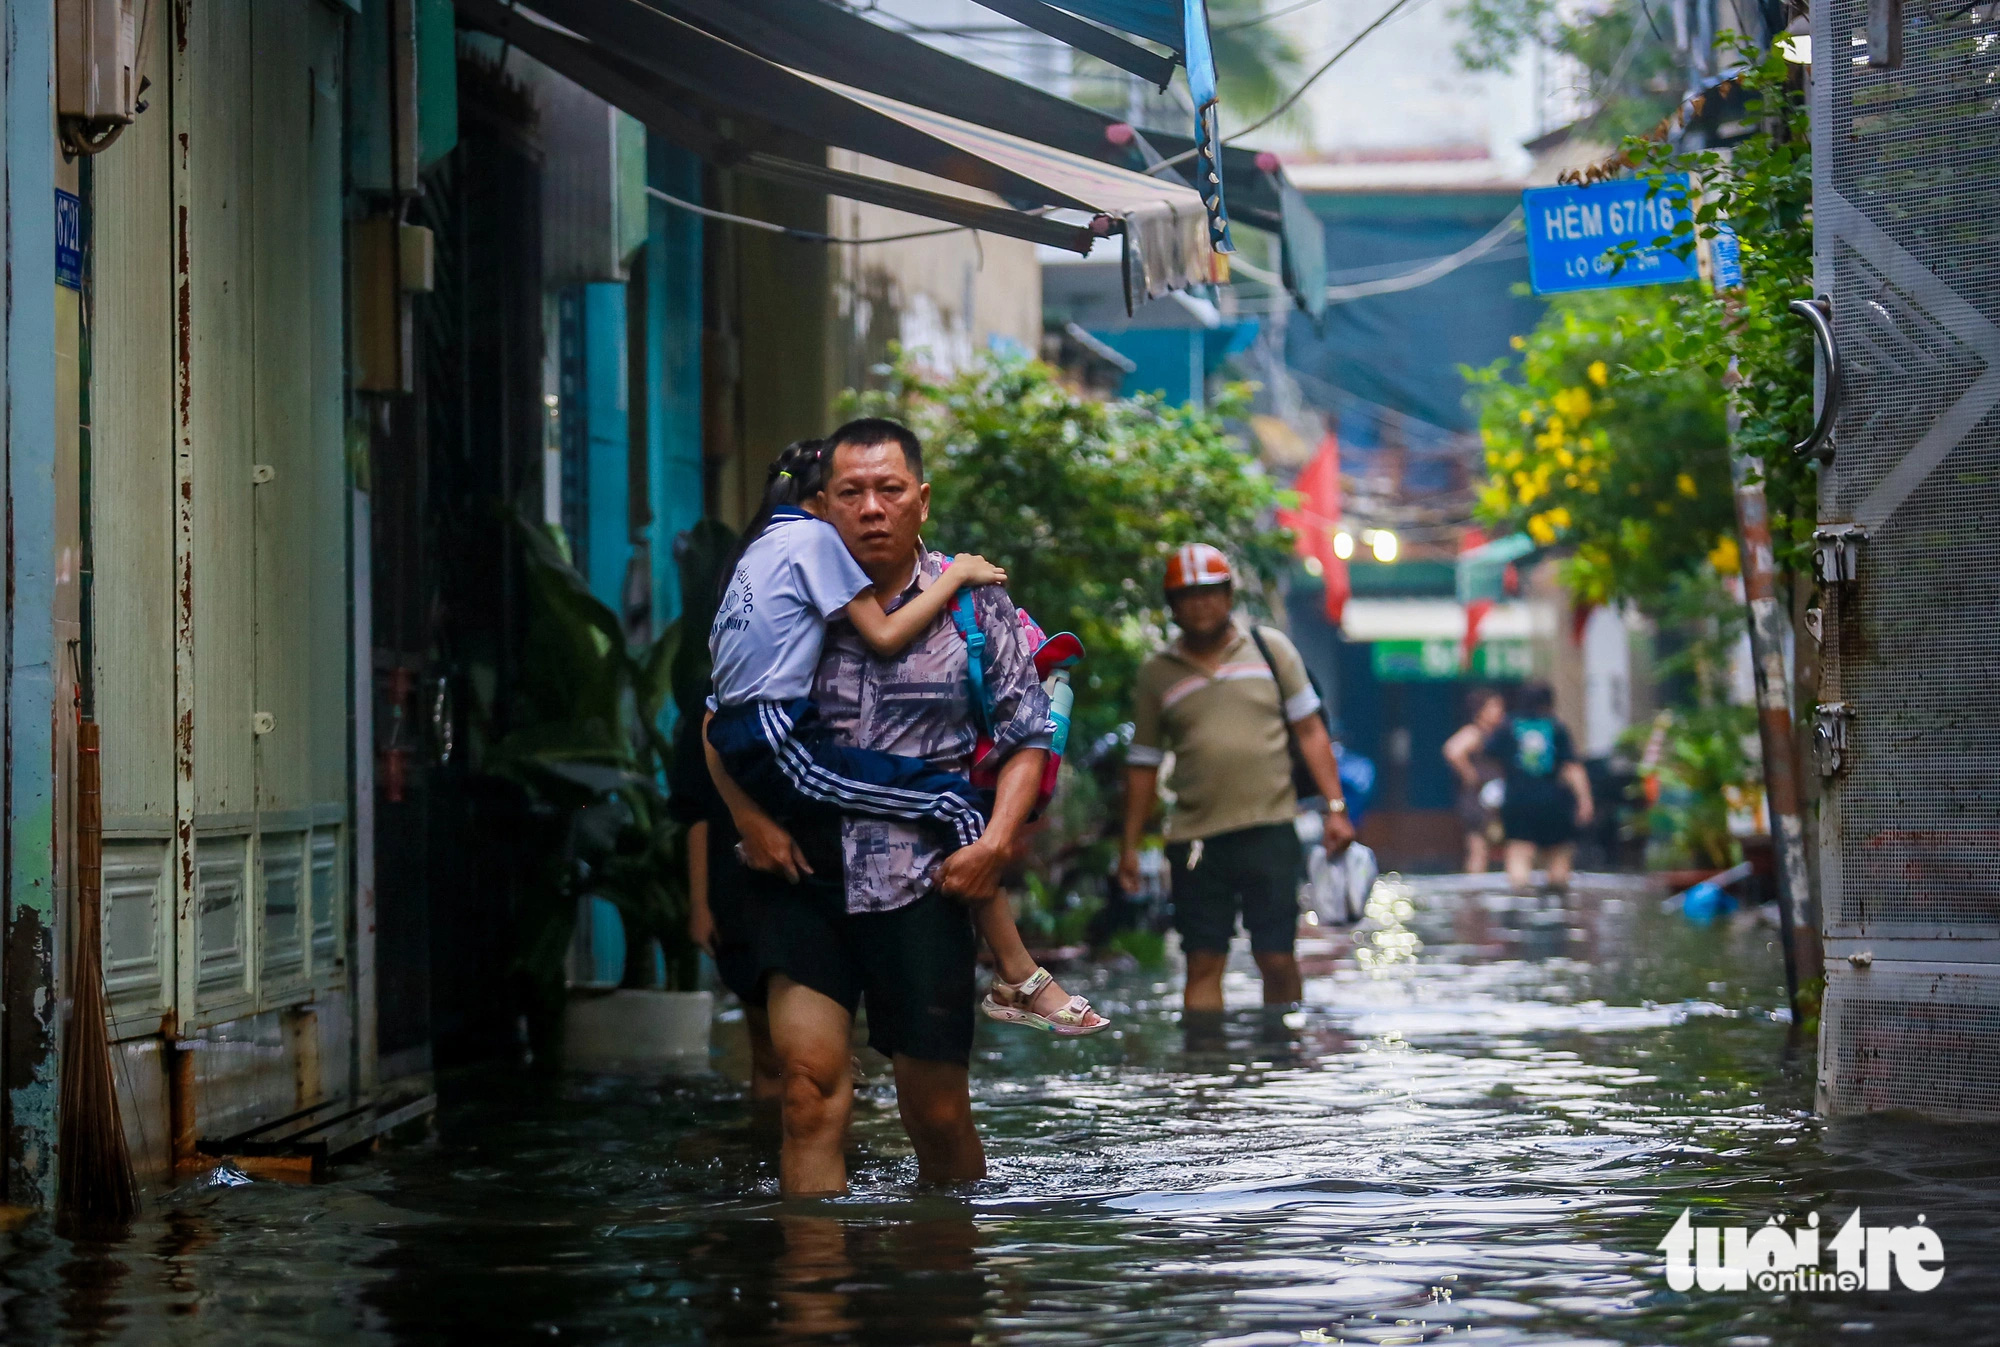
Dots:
{"x": 947, "y": 296}
{"x": 766, "y": 373}
{"x": 28, "y": 340}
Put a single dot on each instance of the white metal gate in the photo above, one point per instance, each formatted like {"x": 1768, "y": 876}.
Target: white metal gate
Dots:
{"x": 219, "y": 518}
{"x": 1906, "y": 161}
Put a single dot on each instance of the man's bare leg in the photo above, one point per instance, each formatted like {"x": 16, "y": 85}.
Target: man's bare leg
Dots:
{"x": 1476, "y": 857}
{"x": 1520, "y": 864}
{"x": 1282, "y": 984}
{"x": 1560, "y": 860}
{"x": 1204, "y": 980}
{"x": 810, "y": 1033}
{"x": 935, "y": 1100}
{"x": 767, "y": 1078}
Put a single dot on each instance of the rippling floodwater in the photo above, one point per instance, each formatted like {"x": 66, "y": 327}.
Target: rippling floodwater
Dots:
{"x": 1487, "y": 1117}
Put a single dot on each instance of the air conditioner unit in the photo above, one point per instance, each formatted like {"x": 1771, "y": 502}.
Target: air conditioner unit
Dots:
{"x": 101, "y": 48}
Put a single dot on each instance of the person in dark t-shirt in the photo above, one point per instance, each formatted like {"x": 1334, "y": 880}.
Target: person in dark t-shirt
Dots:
{"x": 1548, "y": 794}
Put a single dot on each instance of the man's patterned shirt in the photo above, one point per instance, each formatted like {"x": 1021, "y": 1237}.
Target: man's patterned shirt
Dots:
{"x": 919, "y": 705}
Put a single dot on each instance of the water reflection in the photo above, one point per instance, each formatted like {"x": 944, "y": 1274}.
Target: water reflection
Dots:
{"x": 1486, "y": 1115}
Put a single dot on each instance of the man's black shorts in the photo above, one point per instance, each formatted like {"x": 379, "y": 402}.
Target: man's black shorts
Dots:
{"x": 1254, "y": 869}
{"x": 735, "y": 894}
{"x": 913, "y": 966}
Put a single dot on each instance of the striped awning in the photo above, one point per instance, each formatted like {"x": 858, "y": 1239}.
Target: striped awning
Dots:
{"x": 1166, "y": 225}
{"x": 831, "y": 40}
{"x": 681, "y": 81}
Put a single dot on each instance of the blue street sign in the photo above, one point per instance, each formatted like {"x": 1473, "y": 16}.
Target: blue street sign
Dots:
{"x": 1572, "y": 230}
{"x": 69, "y": 240}
{"x": 1725, "y": 258}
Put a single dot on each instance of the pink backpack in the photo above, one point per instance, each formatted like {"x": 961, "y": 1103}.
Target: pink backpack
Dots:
{"x": 1055, "y": 656}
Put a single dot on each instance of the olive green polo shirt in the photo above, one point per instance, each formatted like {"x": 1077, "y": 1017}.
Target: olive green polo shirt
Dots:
{"x": 1226, "y": 730}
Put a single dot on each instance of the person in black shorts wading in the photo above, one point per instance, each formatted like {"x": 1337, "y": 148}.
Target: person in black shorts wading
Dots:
{"x": 1227, "y": 710}
{"x": 1548, "y": 792}
{"x": 863, "y": 911}
{"x": 1465, "y": 751}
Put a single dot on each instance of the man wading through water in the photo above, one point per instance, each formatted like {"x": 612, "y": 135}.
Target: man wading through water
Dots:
{"x": 1226, "y": 709}
{"x": 872, "y": 909}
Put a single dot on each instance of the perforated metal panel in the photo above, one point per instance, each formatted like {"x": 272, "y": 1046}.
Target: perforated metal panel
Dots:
{"x": 1922, "y": 1038}
{"x": 1906, "y": 180}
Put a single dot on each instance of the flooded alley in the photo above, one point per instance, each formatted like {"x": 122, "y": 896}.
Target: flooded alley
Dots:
{"x": 611, "y": 603}
{"x": 1489, "y": 1114}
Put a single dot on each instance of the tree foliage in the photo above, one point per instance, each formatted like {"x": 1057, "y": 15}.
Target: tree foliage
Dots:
{"x": 1610, "y": 436}
{"x": 1257, "y": 63}
{"x": 1761, "y": 189}
{"x": 1082, "y": 501}
{"x": 587, "y": 750}
{"x": 1628, "y": 469}
{"x": 1631, "y": 73}
{"x": 1702, "y": 752}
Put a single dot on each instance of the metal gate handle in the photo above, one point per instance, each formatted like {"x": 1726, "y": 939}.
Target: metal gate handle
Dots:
{"x": 1819, "y": 313}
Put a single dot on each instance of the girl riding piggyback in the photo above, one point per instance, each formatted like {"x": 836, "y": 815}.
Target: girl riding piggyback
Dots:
{"x": 792, "y": 575}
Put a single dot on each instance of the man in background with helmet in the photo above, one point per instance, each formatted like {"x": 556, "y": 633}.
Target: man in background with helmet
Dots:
{"x": 1226, "y": 712}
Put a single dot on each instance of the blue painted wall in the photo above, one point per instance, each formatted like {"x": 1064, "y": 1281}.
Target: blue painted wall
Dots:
{"x": 673, "y": 365}
{"x": 596, "y": 438}
{"x": 1169, "y": 359}
{"x": 597, "y": 422}
{"x": 27, "y": 69}
{"x": 370, "y": 122}
{"x": 1176, "y": 362}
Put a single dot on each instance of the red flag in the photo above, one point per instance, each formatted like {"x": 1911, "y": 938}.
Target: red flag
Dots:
{"x": 1318, "y": 518}
{"x": 1579, "y": 618}
{"x": 1475, "y": 615}
{"x": 1475, "y": 611}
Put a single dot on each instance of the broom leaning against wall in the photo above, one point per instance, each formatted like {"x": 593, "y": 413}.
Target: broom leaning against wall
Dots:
{"x": 95, "y": 1184}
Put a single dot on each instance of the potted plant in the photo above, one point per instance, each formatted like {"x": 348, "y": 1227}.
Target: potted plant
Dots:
{"x": 589, "y": 751}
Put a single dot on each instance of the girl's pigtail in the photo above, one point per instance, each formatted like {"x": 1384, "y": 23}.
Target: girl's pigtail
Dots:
{"x": 794, "y": 477}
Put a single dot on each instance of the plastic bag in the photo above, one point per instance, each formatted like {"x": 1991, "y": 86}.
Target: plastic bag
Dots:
{"x": 1360, "y": 870}
{"x": 1337, "y": 888}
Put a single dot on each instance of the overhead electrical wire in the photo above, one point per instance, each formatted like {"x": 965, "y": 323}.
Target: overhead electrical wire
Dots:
{"x": 1352, "y": 43}
{"x": 1647, "y": 10}
{"x": 1295, "y": 95}
{"x": 1610, "y": 84}
{"x": 1264, "y": 18}
{"x": 1435, "y": 269}
{"x": 793, "y": 231}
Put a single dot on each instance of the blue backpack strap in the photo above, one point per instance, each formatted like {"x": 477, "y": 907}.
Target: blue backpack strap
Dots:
{"x": 967, "y": 621}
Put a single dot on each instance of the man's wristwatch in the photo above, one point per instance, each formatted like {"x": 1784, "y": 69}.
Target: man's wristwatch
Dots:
{"x": 1336, "y": 806}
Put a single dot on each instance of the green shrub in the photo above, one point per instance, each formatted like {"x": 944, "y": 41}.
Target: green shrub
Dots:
{"x": 1082, "y": 501}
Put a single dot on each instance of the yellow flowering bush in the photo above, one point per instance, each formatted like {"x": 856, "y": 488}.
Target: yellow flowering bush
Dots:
{"x": 1627, "y": 471}
{"x": 1761, "y": 186}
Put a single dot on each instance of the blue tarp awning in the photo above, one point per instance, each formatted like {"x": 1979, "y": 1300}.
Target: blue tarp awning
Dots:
{"x": 1161, "y": 21}
{"x": 1403, "y": 350}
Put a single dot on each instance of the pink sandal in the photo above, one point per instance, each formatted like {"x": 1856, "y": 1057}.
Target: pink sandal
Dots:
{"x": 1072, "y": 1020}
